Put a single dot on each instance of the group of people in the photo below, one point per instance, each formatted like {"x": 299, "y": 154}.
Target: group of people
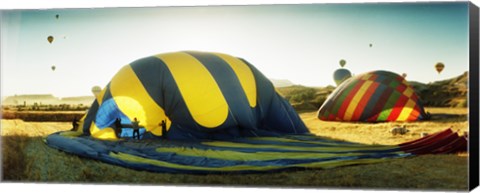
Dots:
{"x": 118, "y": 127}
{"x": 136, "y": 128}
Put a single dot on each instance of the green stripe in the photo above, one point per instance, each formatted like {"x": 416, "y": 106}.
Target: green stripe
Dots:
{"x": 321, "y": 164}
{"x": 325, "y": 142}
{"x": 388, "y": 106}
{"x": 243, "y": 156}
{"x": 295, "y": 148}
{"x": 339, "y": 101}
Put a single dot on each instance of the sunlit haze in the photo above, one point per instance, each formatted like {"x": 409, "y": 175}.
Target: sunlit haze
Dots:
{"x": 301, "y": 43}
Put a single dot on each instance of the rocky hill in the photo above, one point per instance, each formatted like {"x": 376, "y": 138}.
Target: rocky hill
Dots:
{"x": 446, "y": 93}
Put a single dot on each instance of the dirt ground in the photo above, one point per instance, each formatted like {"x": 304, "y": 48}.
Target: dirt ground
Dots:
{"x": 25, "y": 158}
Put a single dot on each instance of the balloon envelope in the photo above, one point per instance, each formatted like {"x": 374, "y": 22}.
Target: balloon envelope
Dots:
{"x": 342, "y": 62}
{"x": 404, "y": 75}
{"x": 96, "y": 90}
{"x": 341, "y": 75}
{"x": 53, "y": 68}
{"x": 50, "y": 39}
{"x": 201, "y": 95}
{"x": 439, "y": 67}
{"x": 373, "y": 97}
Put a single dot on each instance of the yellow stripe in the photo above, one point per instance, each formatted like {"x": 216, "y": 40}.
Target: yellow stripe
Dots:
{"x": 137, "y": 159}
{"x": 242, "y": 156}
{"x": 244, "y": 75}
{"x": 286, "y": 147}
{"x": 321, "y": 164}
{"x": 71, "y": 134}
{"x": 309, "y": 142}
{"x": 408, "y": 92}
{"x": 337, "y": 163}
{"x": 100, "y": 96}
{"x": 105, "y": 133}
{"x": 134, "y": 101}
{"x": 199, "y": 90}
{"x": 356, "y": 99}
{"x": 406, "y": 110}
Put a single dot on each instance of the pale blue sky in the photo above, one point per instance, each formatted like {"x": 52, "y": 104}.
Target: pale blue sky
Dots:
{"x": 301, "y": 43}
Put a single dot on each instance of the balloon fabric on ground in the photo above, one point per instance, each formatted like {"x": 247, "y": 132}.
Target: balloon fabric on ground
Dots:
{"x": 222, "y": 115}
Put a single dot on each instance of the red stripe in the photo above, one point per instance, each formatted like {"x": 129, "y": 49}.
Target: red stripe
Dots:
{"x": 331, "y": 117}
{"x": 430, "y": 148}
{"x": 348, "y": 99}
{"x": 397, "y": 108}
{"x": 364, "y": 101}
{"x": 401, "y": 88}
{"x": 380, "y": 103}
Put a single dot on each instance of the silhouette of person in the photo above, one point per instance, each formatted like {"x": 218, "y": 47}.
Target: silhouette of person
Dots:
{"x": 136, "y": 128}
{"x": 118, "y": 126}
{"x": 164, "y": 129}
{"x": 75, "y": 124}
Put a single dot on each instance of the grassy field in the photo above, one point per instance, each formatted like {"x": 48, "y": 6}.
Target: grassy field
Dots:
{"x": 26, "y": 158}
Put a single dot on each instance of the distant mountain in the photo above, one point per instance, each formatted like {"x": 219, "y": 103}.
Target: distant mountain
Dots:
{"x": 46, "y": 99}
{"x": 281, "y": 82}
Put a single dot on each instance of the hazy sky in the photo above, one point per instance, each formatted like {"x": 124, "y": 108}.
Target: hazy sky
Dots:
{"x": 301, "y": 43}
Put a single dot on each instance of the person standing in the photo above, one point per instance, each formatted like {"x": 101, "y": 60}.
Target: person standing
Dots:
{"x": 135, "y": 126}
{"x": 118, "y": 127}
{"x": 164, "y": 129}
{"x": 75, "y": 124}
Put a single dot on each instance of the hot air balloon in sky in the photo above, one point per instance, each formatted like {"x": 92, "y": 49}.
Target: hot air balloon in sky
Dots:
{"x": 96, "y": 90}
{"x": 404, "y": 75}
{"x": 341, "y": 75}
{"x": 53, "y": 67}
{"x": 50, "y": 39}
{"x": 439, "y": 67}
{"x": 56, "y": 16}
{"x": 371, "y": 45}
{"x": 342, "y": 63}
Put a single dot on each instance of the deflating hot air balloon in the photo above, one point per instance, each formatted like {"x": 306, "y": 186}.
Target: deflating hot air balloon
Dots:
{"x": 341, "y": 75}
{"x": 342, "y": 63}
{"x": 224, "y": 115}
{"x": 50, "y": 39}
{"x": 373, "y": 97}
{"x": 439, "y": 67}
{"x": 201, "y": 95}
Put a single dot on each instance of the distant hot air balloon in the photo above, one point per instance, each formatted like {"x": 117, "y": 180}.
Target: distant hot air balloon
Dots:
{"x": 56, "y": 16}
{"x": 96, "y": 90}
{"x": 53, "y": 68}
{"x": 341, "y": 75}
{"x": 342, "y": 63}
{"x": 371, "y": 45}
{"x": 404, "y": 75}
{"x": 50, "y": 39}
{"x": 439, "y": 67}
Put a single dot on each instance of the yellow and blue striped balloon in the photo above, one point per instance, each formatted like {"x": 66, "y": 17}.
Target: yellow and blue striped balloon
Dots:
{"x": 200, "y": 95}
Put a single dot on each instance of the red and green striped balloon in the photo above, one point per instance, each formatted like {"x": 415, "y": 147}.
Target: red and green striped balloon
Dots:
{"x": 373, "y": 97}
